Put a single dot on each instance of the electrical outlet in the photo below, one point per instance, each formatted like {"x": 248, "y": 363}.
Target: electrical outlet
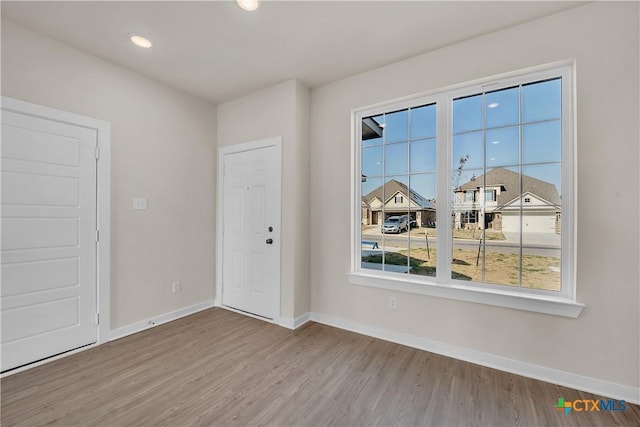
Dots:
{"x": 176, "y": 287}
{"x": 392, "y": 302}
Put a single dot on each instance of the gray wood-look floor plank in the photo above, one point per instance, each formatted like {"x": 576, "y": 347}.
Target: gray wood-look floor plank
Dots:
{"x": 221, "y": 368}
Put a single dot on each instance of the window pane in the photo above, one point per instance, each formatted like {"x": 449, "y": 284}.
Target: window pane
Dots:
{"x": 502, "y": 228}
{"x": 372, "y": 161}
{"x": 372, "y": 187}
{"x": 467, "y": 150}
{"x": 465, "y": 264}
{"x": 541, "y": 215}
{"x": 501, "y": 224}
{"x": 396, "y": 224}
{"x": 541, "y": 268}
{"x": 502, "y": 261}
{"x": 396, "y": 158}
{"x": 503, "y": 107}
{"x": 371, "y": 219}
{"x": 423, "y": 122}
{"x": 372, "y": 129}
{"x": 465, "y": 224}
{"x": 396, "y": 126}
{"x": 396, "y": 188}
{"x": 503, "y": 147}
{"x": 541, "y": 205}
{"x": 423, "y": 155}
{"x": 542, "y": 101}
{"x": 542, "y": 142}
{"x": 396, "y": 246}
{"x": 467, "y": 114}
{"x": 423, "y": 197}
{"x": 422, "y": 224}
{"x": 466, "y": 201}
{"x": 464, "y": 180}
{"x": 544, "y": 183}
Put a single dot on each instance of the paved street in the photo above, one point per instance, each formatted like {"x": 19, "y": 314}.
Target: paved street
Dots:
{"x": 535, "y": 244}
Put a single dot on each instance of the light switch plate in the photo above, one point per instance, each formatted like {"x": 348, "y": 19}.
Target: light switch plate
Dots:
{"x": 139, "y": 204}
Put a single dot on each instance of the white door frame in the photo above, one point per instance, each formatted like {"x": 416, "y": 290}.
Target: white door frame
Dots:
{"x": 103, "y": 171}
{"x": 275, "y": 142}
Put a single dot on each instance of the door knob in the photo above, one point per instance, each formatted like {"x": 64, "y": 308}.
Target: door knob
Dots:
{"x": 269, "y": 241}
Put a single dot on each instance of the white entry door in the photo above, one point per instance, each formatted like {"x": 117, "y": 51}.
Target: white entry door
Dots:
{"x": 48, "y": 298}
{"x": 251, "y": 228}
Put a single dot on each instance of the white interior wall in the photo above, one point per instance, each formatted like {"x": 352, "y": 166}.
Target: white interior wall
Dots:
{"x": 163, "y": 148}
{"x": 604, "y": 342}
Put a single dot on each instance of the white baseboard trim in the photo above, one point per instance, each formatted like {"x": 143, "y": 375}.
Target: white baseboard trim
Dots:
{"x": 160, "y": 319}
{"x": 301, "y": 320}
{"x": 554, "y": 376}
{"x": 289, "y": 323}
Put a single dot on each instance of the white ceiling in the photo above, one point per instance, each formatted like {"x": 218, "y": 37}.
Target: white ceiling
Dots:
{"x": 217, "y": 51}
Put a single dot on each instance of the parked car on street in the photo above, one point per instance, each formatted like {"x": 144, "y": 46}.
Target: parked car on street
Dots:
{"x": 395, "y": 224}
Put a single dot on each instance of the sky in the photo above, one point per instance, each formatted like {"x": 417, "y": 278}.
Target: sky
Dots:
{"x": 494, "y": 129}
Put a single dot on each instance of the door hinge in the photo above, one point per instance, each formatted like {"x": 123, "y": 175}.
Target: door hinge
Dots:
{"x": 97, "y": 152}
{"x": 97, "y": 319}
{"x": 97, "y": 235}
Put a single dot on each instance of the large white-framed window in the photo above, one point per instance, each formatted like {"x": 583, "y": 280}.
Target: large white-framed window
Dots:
{"x": 486, "y": 171}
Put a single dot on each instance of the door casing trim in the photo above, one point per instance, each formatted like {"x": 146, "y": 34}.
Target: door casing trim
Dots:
{"x": 103, "y": 198}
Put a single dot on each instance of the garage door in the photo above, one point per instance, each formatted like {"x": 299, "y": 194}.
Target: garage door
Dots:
{"x": 532, "y": 222}
{"x": 48, "y": 297}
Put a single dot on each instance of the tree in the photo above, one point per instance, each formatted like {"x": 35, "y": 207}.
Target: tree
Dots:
{"x": 457, "y": 175}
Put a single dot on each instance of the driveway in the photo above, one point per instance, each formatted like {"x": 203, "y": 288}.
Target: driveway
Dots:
{"x": 536, "y": 239}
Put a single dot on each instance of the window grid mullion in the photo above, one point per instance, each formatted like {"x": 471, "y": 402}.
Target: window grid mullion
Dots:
{"x": 482, "y": 213}
{"x": 520, "y": 168}
{"x": 444, "y": 242}
{"x": 384, "y": 196}
{"x": 409, "y": 190}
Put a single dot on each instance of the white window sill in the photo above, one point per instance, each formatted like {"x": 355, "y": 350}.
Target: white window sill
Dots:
{"x": 542, "y": 304}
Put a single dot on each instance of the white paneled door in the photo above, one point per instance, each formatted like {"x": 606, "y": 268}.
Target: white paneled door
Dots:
{"x": 48, "y": 298}
{"x": 251, "y": 230}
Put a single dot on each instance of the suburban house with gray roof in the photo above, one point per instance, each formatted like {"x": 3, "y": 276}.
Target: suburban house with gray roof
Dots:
{"x": 394, "y": 198}
{"x": 499, "y": 192}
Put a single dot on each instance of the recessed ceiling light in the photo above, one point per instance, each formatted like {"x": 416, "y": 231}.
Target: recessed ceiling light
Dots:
{"x": 140, "y": 41}
{"x": 249, "y": 5}
{"x": 493, "y": 158}
{"x": 493, "y": 105}
{"x": 495, "y": 142}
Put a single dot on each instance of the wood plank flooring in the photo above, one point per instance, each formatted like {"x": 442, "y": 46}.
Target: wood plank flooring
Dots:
{"x": 221, "y": 368}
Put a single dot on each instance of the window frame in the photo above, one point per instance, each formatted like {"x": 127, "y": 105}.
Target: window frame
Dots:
{"x": 561, "y": 303}
{"x": 469, "y": 217}
{"x": 473, "y": 196}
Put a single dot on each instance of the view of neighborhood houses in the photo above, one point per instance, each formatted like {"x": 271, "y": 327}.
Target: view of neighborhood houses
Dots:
{"x": 506, "y": 188}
